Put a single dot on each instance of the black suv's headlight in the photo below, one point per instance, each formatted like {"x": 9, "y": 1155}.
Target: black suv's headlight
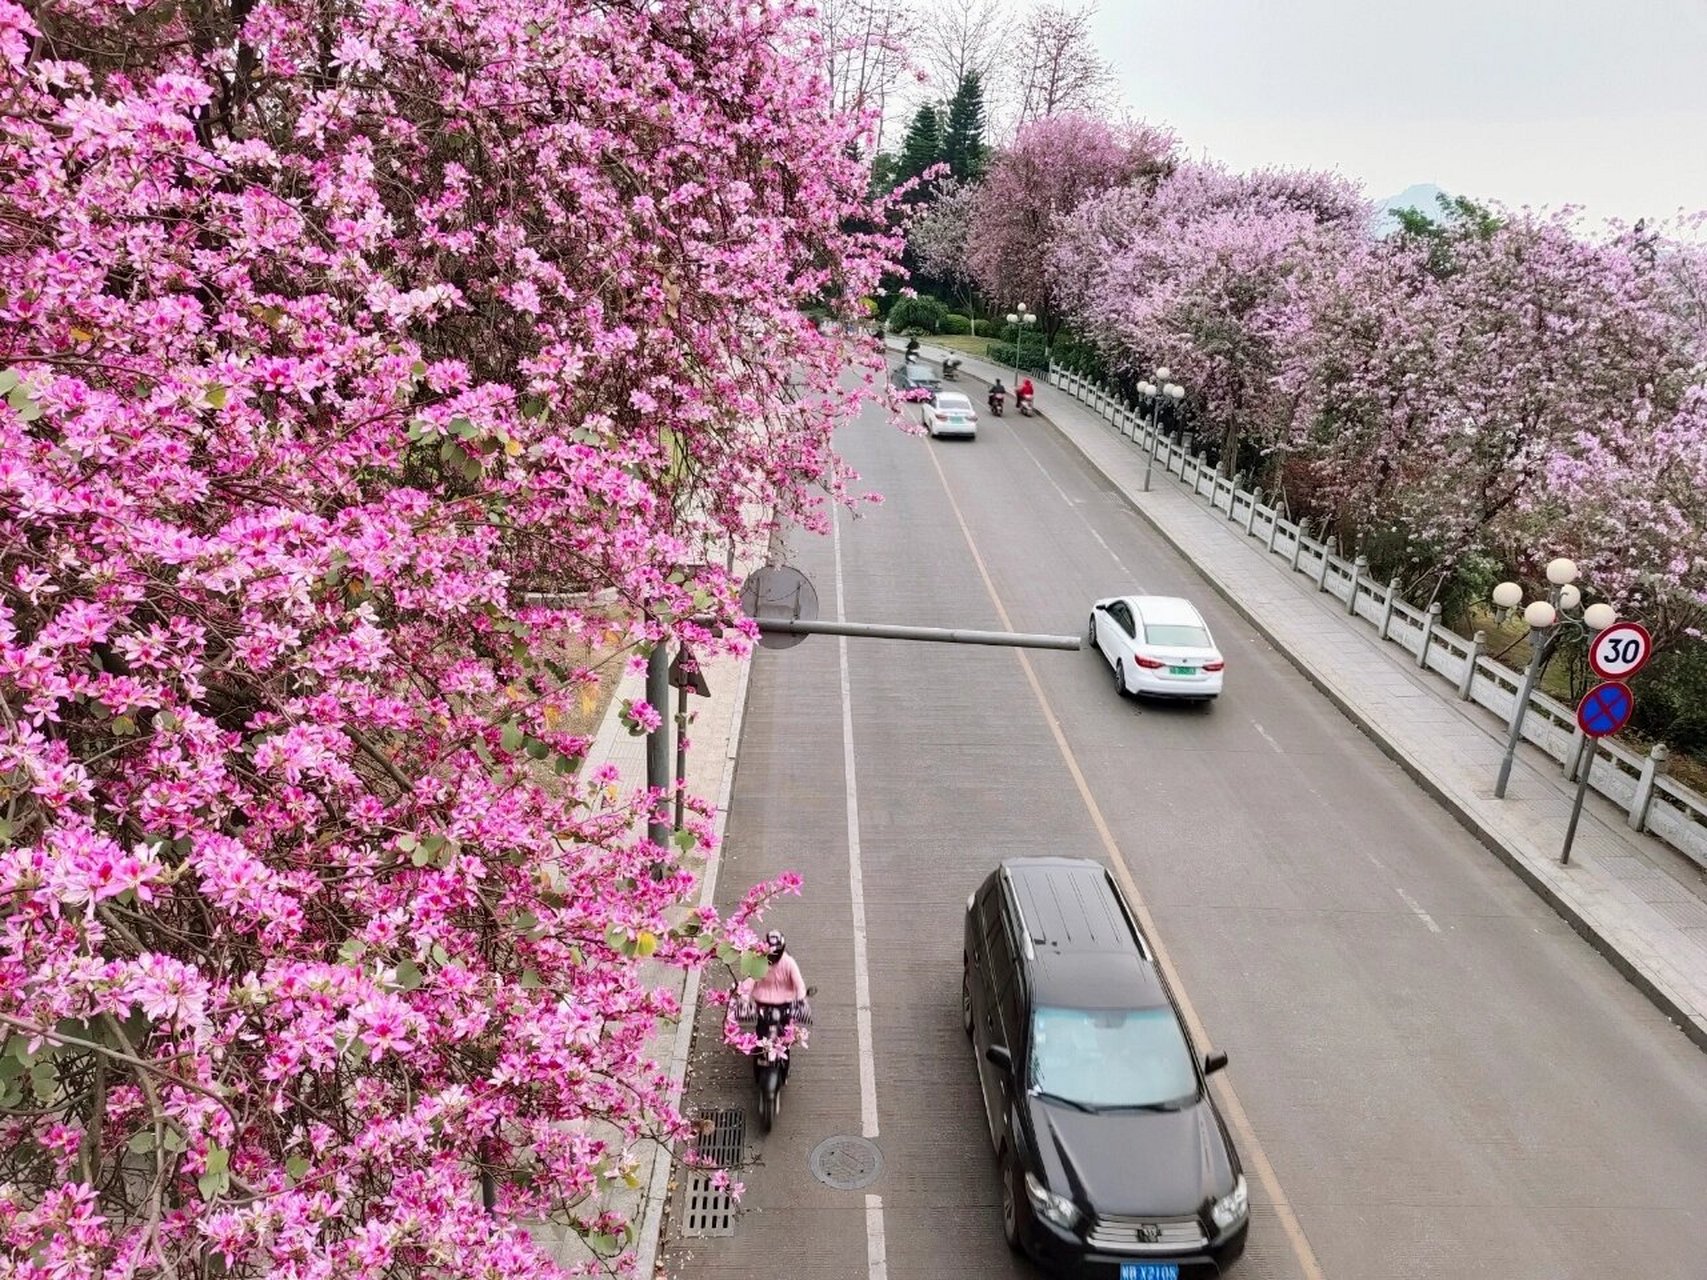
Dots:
{"x": 1057, "y": 1209}
{"x": 1232, "y": 1207}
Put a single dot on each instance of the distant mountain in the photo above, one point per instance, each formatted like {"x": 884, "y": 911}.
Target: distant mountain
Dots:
{"x": 1423, "y": 196}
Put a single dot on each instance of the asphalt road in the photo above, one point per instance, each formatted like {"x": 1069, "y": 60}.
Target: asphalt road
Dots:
{"x": 1431, "y": 1076}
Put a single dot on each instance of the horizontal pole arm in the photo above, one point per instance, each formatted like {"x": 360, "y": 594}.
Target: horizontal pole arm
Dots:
{"x": 942, "y": 635}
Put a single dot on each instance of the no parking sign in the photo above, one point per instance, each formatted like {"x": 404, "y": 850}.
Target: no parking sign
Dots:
{"x": 1605, "y": 709}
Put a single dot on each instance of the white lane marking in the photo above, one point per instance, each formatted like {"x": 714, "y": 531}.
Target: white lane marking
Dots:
{"x": 856, "y": 874}
{"x": 1074, "y": 506}
{"x": 876, "y": 1250}
{"x": 1269, "y": 738}
{"x": 1417, "y": 911}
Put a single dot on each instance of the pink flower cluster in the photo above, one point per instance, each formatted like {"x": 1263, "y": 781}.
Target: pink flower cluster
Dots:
{"x": 326, "y": 334}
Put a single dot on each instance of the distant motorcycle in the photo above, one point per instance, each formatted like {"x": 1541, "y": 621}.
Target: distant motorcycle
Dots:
{"x": 1024, "y": 403}
{"x": 997, "y": 400}
{"x": 950, "y": 369}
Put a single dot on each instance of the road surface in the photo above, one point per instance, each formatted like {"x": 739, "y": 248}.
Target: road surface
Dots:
{"x": 1431, "y": 1076}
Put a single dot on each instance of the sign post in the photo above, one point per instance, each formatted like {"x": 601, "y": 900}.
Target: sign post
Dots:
{"x": 1604, "y": 710}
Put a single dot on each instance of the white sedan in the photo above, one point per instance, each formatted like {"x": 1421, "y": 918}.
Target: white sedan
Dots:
{"x": 1157, "y": 645}
{"x": 950, "y": 414}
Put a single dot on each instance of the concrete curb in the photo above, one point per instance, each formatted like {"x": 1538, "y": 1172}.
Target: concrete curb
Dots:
{"x": 1681, "y": 1014}
{"x": 657, "y": 1191}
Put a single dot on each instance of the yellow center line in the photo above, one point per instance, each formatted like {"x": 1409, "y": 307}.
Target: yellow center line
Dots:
{"x": 1232, "y": 1108}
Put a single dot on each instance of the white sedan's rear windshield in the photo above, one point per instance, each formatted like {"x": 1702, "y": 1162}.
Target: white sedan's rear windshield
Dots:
{"x": 1176, "y": 633}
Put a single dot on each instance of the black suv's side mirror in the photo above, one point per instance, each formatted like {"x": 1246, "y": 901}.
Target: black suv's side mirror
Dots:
{"x": 1213, "y": 1062}
{"x": 999, "y": 1055}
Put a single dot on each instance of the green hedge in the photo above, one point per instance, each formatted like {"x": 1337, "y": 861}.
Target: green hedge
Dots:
{"x": 917, "y": 313}
{"x": 1002, "y": 353}
{"x": 956, "y": 324}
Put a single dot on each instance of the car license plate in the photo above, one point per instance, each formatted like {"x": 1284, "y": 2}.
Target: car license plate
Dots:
{"x": 1149, "y": 1271}
{"x": 1180, "y": 671}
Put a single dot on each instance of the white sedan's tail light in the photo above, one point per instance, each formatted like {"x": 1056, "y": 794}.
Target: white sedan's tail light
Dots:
{"x": 1217, "y": 665}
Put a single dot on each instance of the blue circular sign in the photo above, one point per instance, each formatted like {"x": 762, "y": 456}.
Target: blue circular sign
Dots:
{"x": 1605, "y": 709}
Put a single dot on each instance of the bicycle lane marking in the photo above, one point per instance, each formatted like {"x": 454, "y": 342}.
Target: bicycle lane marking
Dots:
{"x": 1235, "y": 1111}
{"x": 876, "y": 1249}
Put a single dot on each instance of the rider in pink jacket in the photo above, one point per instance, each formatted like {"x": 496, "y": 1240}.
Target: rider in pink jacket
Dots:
{"x": 782, "y": 983}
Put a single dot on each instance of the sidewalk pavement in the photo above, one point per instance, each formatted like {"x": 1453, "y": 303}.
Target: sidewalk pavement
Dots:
{"x": 1637, "y": 901}
{"x": 713, "y": 734}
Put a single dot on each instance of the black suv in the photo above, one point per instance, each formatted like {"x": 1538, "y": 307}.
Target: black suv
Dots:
{"x": 1115, "y": 1162}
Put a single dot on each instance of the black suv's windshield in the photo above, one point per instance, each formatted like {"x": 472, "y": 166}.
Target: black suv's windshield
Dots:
{"x": 1102, "y": 1058}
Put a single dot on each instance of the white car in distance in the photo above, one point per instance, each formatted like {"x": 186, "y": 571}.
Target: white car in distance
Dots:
{"x": 949, "y": 414}
{"x": 1158, "y": 646}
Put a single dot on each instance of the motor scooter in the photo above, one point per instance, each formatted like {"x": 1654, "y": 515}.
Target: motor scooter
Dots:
{"x": 997, "y": 400}
{"x": 950, "y": 369}
{"x": 770, "y": 1058}
{"x": 1024, "y": 403}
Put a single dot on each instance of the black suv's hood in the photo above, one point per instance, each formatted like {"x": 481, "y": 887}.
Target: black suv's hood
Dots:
{"x": 1162, "y": 1164}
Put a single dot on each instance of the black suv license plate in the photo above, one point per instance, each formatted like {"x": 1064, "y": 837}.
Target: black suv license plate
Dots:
{"x": 1149, "y": 1271}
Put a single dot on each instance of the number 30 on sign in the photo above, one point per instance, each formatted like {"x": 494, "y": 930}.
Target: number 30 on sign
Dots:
{"x": 1620, "y": 651}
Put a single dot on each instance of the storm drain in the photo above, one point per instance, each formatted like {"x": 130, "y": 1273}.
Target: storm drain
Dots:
{"x": 707, "y": 1211}
{"x": 846, "y": 1163}
{"x": 720, "y": 1139}
{"x": 722, "y": 1134}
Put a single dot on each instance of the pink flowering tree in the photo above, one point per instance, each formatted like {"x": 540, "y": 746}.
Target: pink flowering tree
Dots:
{"x": 1205, "y": 272}
{"x": 325, "y": 333}
{"x": 1525, "y": 388}
{"x": 1053, "y": 166}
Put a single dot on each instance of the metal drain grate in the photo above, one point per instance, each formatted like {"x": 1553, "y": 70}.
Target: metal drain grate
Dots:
{"x": 707, "y": 1211}
{"x": 722, "y": 1135}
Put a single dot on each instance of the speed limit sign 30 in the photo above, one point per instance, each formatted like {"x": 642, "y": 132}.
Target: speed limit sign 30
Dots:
{"x": 1620, "y": 651}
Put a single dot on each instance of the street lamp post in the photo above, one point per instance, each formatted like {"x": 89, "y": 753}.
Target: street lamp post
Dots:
{"x": 1543, "y": 618}
{"x": 1154, "y": 392}
{"x": 1020, "y": 319}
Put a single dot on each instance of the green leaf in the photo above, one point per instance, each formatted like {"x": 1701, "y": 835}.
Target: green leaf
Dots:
{"x": 419, "y": 858}
{"x": 297, "y": 1167}
{"x": 408, "y": 975}
{"x": 481, "y": 750}
{"x": 685, "y": 840}
{"x": 463, "y": 429}
{"x": 175, "y": 1141}
{"x": 8, "y": 380}
{"x": 406, "y": 843}
{"x": 440, "y": 954}
{"x": 141, "y": 1143}
{"x": 753, "y": 964}
{"x": 511, "y": 737}
{"x": 530, "y": 980}
{"x": 352, "y": 950}
{"x": 537, "y": 749}
{"x": 646, "y": 943}
{"x": 123, "y": 727}
{"x": 727, "y": 954}
{"x": 217, "y": 396}
{"x": 616, "y": 937}
{"x": 44, "y": 1081}
{"x": 19, "y": 395}
{"x": 213, "y": 1184}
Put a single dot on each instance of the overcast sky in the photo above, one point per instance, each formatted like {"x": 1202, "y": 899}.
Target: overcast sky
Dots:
{"x": 1598, "y": 103}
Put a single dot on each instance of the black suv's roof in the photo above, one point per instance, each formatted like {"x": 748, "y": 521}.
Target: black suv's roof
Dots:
{"x": 1086, "y": 950}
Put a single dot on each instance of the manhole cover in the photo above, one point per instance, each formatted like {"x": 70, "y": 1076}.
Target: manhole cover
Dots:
{"x": 846, "y": 1163}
